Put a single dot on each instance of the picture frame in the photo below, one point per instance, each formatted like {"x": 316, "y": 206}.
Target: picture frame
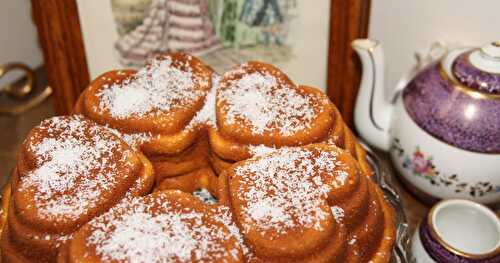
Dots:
{"x": 62, "y": 42}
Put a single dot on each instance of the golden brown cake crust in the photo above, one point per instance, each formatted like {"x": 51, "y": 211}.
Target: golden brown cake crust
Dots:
{"x": 69, "y": 170}
{"x": 168, "y": 226}
{"x": 202, "y": 178}
{"x": 236, "y": 132}
{"x": 345, "y": 198}
{"x": 292, "y": 218}
{"x": 6, "y": 193}
{"x": 193, "y": 158}
{"x": 259, "y": 104}
{"x": 65, "y": 148}
{"x": 155, "y": 105}
{"x": 173, "y": 87}
{"x": 218, "y": 164}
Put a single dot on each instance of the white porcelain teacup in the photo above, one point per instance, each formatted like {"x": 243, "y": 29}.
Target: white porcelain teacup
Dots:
{"x": 457, "y": 230}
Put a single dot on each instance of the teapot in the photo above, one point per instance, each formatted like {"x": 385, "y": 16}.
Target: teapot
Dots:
{"x": 442, "y": 127}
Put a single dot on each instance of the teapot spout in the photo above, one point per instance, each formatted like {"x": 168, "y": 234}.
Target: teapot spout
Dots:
{"x": 372, "y": 114}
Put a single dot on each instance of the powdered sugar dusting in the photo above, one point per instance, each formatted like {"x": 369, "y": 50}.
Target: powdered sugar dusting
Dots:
{"x": 58, "y": 239}
{"x": 75, "y": 161}
{"x": 259, "y": 150}
{"x": 134, "y": 140}
{"x": 206, "y": 116}
{"x": 266, "y": 104}
{"x": 284, "y": 189}
{"x": 338, "y": 213}
{"x": 157, "y": 230}
{"x": 223, "y": 215}
{"x": 341, "y": 177}
{"x": 156, "y": 88}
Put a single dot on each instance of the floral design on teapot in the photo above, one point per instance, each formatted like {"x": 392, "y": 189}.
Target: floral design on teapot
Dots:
{"x": 421, "y": 165}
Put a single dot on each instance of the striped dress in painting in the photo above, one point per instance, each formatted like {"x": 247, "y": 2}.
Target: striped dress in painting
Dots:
{"x": 169, "y": 25}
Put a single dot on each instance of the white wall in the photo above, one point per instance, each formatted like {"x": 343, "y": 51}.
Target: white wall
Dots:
{"x": 18, "y": 38}
{"x": 407, "y": 26}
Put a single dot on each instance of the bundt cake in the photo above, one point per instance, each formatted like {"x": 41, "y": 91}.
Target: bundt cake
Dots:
{"x": 68, "y": 171}
{"x": 156, "y": 109}
{"x": 291, "y": 182}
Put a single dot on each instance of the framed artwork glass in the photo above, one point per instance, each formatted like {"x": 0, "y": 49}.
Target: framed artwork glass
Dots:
{"x": 308, "y": 40}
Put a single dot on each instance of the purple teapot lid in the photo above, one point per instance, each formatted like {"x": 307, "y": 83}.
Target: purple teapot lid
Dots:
{"x": 479, "y": 69}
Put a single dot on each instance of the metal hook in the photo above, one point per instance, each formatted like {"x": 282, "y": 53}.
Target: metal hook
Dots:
{"x": 21, "y": 91}
{"x": 18, "y": 91}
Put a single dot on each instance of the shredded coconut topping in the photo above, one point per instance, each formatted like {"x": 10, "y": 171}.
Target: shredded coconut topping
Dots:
{"x": 223, "y": 215}
{"x": 76, "y": 161}
{"x": 157, "y": 230}
{"x": 266, "y": 104}
{"x": 156, "y": 88}
{"x": 285, "y": 189}
{"x": 206, "y": 116}
{"x": 259, "y": 150}
{"x": 134, "y": 140}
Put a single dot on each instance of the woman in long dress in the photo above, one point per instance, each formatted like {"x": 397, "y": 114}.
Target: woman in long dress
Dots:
{"x": 265, "y": 14}
{"x": 173, "y": 25}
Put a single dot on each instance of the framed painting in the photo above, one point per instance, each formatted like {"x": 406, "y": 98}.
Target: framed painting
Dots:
{"x": 308, "y": 40}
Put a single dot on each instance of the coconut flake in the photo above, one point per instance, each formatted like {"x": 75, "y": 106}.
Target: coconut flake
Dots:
{"x": 266, "y": 104}
{"x": 261, "y": 149}
{"x": 134, "y": 140}
{"x": 137, "y": 231}
{"x": 157, "y": 88}
{"x": 75, "y": 161}
{"x": 223, "y": 215}
{"x": 206, "y": 115}
{"x": 284, "y": 189}
{"x": 338, "y": 213}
